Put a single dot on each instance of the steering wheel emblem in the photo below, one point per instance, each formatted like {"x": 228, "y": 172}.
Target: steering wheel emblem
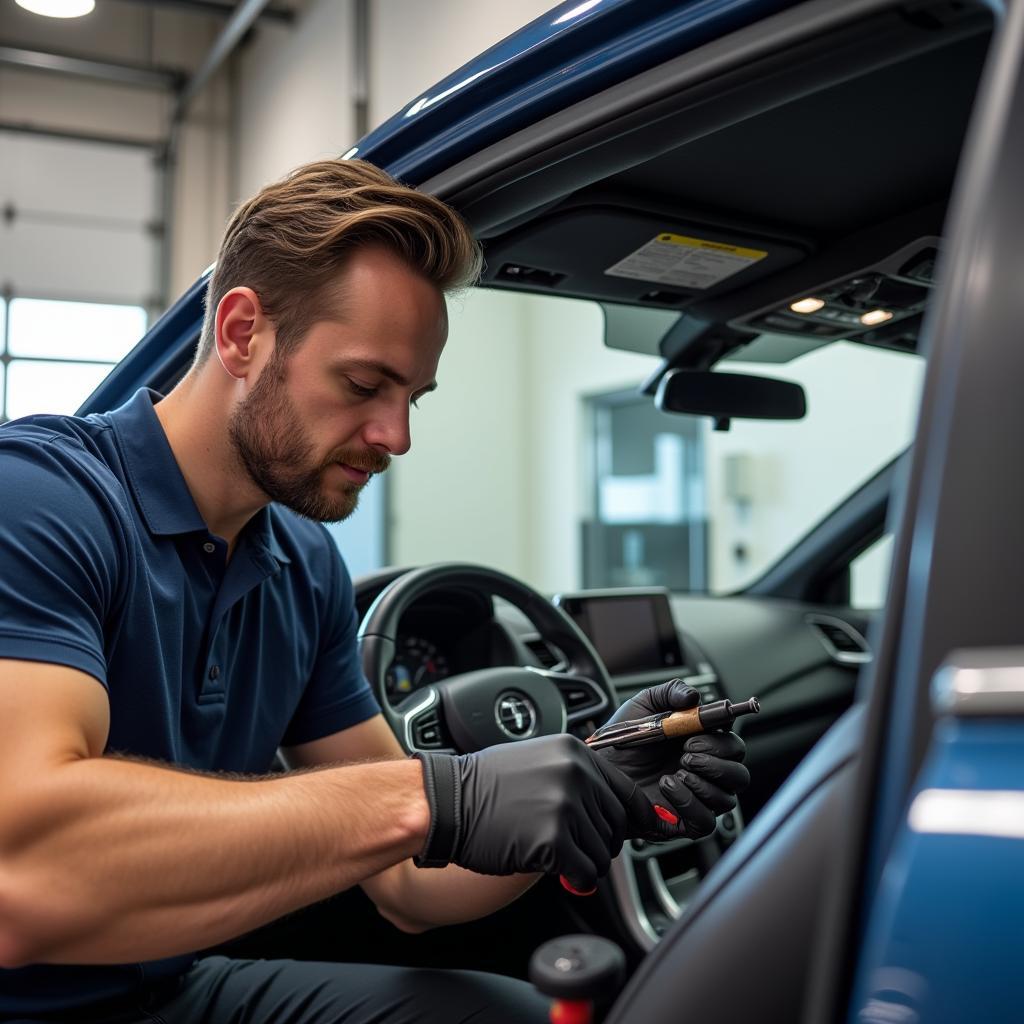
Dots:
{"x": 515, "y": 714}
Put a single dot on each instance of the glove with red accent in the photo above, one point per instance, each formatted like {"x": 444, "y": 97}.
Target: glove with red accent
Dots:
{"x": 678, "y": 786}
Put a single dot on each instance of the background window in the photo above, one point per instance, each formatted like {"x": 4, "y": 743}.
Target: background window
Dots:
{"x": 57, "y": 353}
{"x": 650, "y": 523}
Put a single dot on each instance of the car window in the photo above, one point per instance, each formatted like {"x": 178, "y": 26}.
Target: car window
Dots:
{"x": 538, "y": 455}
{"x": 869, "y": 575}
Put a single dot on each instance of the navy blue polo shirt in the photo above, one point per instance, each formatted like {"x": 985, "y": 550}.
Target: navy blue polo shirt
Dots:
{"x": 107, "y": 566}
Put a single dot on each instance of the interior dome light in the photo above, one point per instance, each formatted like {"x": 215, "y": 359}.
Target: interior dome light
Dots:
{"x": 808, "y": 305}
{"x": 873, "y": 317}
{"x": 58, "y": 8}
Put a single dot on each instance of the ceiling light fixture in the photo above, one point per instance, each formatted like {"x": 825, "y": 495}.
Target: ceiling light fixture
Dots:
{"x": 873, "y": 317}
{"x": 808, "y": 305}
{"x": 58, "y": 8}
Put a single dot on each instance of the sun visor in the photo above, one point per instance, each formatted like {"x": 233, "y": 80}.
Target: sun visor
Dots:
{"x": 633, "y": 257}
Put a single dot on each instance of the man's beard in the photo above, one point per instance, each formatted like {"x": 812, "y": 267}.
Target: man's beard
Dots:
{"x": 275, "y": 450}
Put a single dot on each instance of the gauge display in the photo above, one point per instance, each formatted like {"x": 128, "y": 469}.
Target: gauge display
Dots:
{"x": 417, "y": 663}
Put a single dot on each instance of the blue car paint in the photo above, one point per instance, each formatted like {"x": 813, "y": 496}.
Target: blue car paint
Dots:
{"x": 945, "y": 936}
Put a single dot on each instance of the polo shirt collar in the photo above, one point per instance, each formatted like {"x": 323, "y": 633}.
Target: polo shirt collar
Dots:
{"x": 160, "y": 490}
{"x": 261, "y": 532}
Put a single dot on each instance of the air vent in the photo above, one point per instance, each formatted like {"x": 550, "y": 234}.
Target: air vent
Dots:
{"x": 844, "y": 644}
{"x": 548, "y": 656}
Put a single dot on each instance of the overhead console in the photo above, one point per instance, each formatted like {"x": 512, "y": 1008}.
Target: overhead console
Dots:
{"x": 879, "y": 304}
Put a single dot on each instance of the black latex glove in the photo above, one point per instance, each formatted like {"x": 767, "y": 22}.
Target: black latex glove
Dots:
{"x": 694, "y": 779}
{"x": 543, "y": 804}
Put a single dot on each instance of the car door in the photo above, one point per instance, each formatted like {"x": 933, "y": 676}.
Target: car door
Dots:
{"x": 923, "y": 921}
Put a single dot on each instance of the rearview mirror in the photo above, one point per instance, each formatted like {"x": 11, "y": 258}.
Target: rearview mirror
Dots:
{"x": 726, "y": 396}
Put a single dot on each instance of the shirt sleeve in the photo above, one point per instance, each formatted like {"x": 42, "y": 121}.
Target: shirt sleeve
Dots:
{"x": 337, "y": 695}
{"x": 61, "y": 543}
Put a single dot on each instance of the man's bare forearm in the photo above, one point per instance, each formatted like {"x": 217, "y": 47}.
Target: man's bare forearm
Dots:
{"x": 416, "y": 899}
{"x": 104, "y": 860}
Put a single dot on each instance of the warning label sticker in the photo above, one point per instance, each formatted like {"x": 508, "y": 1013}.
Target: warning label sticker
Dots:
{"x": 685, "y": 262}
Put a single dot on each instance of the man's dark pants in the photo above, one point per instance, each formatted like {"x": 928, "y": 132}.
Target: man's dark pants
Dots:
{"x": 221, "y": 991}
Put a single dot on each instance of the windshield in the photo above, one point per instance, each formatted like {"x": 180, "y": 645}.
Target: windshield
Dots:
{"x": 538, "y": 456}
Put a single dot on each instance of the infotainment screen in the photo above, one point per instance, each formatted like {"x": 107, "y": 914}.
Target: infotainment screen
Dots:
{"x": 632, "y": 630}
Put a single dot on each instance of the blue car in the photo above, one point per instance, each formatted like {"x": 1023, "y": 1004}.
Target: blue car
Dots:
{"x": 737, "y": 399}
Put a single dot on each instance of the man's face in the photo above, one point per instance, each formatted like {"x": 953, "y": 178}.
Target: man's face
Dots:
{"x": 318, "y": 423}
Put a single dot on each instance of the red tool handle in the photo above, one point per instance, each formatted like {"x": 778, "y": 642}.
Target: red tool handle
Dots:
{"x": 572, "y": 1011}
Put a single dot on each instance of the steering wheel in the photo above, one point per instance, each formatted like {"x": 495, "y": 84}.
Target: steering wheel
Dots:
{"x": 472, "y": 710}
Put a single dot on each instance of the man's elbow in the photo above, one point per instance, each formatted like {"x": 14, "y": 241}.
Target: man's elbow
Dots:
{"x": 13, "y": 952}
{"x": 35, "y": 917}
{"x": 404, "y": 924}
{"x": 16, "y": 944}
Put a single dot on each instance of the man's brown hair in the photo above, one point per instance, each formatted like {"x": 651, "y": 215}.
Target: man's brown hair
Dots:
{"x": 289, "y": 242}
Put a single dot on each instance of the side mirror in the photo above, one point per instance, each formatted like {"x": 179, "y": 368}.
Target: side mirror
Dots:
{"x": 727, "y": 396}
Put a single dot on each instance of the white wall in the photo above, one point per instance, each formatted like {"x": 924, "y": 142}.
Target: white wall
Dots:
{"x": 463, "y": 491}
{"x": 498, "y": 470}
{"x": 293, "y": 89}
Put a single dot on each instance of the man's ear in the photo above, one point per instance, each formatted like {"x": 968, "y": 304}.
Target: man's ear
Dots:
{"x": 243, "y": 332}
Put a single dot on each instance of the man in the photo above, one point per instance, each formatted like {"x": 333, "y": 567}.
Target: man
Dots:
{"x": 165, "y": 628}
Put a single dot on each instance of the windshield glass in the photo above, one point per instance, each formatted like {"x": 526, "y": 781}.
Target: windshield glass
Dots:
{"x": 538, "y": 456}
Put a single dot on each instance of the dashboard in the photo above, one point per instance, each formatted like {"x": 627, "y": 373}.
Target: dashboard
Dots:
{"x": 801, "y": 661}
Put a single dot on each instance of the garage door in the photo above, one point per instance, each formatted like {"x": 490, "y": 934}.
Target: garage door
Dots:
{"x": 79, "y": 266}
